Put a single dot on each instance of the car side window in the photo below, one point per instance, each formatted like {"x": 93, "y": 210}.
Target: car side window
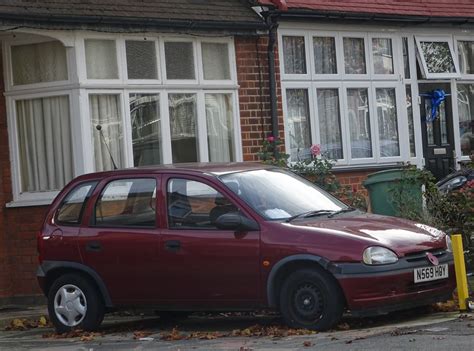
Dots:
{"x": 70, "y": 211}
{"x": 127, "y": 203}
{"x": 195, "y": 205}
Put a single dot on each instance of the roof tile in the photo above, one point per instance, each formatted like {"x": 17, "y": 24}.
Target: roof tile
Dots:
{"x": 431, "y": 8}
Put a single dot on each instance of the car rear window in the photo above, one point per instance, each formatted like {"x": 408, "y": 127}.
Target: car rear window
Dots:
{"x": 127, "y": 203}
{"x": 70, "y": 211}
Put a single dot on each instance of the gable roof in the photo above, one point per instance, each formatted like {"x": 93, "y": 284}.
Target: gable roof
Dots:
{"x": 407, "y": 8}
{"x": 192, "y": 14}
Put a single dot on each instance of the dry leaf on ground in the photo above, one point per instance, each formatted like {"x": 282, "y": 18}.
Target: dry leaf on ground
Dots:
{"x": 138, "y": 334}
{"x": 24, "y": 324}
{"x": 174, "y": 335}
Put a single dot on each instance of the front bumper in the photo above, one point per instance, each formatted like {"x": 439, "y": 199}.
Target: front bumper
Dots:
{"x": 372, "y": 290}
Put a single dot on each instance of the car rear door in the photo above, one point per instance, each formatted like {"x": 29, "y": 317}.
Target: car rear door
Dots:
{"x": 201, "y": 263}
{"x": 120, "y": 237}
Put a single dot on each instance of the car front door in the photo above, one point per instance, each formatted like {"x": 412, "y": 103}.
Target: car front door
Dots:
{"x": 120, "y": 238}
{"x": 201, "y": 263}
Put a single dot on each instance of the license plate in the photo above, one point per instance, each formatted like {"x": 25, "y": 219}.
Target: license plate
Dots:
{"x": 426, "y": 274}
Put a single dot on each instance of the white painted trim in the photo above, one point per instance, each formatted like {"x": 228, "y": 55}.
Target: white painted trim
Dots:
{"x": 156, "y": 43}
{"x": 421, "y": 56}
{"x": 196, "y": 63}
{"x": 309, "y": 69}
{"x": 457, "y": 39}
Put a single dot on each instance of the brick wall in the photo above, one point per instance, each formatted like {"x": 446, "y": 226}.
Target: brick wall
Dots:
{"x": 5, "y": 195}
{"x": 254, "y": 93}
{"x": 18, "y": 227}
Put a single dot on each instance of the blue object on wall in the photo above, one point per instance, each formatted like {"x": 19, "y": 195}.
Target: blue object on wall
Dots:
{"x": 437, "y": 96}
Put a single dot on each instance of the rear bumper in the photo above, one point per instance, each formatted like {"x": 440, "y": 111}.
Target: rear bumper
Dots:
{"x": 382, "y": 289}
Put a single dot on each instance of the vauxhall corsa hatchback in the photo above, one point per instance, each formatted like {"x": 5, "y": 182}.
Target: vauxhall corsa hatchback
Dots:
{"x": 223, "y": 237}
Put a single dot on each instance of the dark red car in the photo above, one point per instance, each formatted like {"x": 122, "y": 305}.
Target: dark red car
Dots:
{"x": 230, "y": 237}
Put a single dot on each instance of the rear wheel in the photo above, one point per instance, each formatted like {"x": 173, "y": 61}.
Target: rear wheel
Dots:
{"x": 74, "y": 302}
{"x": 311, "y": 299}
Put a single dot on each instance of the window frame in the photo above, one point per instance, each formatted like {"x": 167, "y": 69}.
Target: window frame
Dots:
{"x": 119, "y": 49}
{"x": 79, "y": 87}
{"x": 123, "y": 53}
{"x": 8, "y": 66}
{"x": 339, "y": 59}
{"x": 404, "y": 152}
{"x": 396, "y": 48}
{"x": 314, "y": 129}
{"x": 342, "y": 108}
{"x": 102, "y": 186}
{"x": 368, "y": 56}
{"x": 166, "y": 180}
{"x": 309, "y": 67}
{"x": 88, "y": 125}
{"x": 35, "y": 197}
{"x": 196, "y": 60}
{"x": 94, "y": 184}
{"x": 232, "y": 63}
{"x": 421, "y": 57}
{"x": 457, "y": 39}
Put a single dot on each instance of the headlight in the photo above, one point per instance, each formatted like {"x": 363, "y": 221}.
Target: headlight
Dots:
{"x": 379, "y": 255}
{"x": 449, "y": 245}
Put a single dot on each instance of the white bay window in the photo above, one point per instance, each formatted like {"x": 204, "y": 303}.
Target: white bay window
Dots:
{"x": 354, "y": 107}
{"x": 157, "y": 100}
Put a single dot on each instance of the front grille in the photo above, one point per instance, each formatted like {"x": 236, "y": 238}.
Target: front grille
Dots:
{"x": 420, "y": 256}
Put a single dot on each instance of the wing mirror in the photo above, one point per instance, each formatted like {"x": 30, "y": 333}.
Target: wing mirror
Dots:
{"x": 236, "y": 221}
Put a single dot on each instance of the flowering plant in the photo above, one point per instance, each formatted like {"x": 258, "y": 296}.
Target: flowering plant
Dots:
{"x": 271, "y": 152}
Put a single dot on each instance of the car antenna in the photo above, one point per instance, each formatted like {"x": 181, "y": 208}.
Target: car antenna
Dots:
{"x": 99, "y": 128}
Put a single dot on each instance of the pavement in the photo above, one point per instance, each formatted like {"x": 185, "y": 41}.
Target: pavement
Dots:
{"x": 419, "y": 329}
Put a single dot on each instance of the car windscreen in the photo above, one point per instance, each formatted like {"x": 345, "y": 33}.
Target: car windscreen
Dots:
{"x": 278, "y": 194}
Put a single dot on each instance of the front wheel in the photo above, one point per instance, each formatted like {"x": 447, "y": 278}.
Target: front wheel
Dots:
{"x": 74, "y": 302}
{"x": 311, "y": 299}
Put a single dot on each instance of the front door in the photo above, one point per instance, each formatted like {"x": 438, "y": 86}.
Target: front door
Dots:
{"x": 438, "y": 137}
{"x": 202, "y": 264}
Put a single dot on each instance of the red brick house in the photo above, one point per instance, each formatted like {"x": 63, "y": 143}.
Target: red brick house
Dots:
{"x": 167, "y": 81}
{"x": 357, "y": 75}
{"x": 188, "y": 80}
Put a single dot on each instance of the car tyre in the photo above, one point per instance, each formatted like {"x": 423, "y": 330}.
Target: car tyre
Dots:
{"x": 74, "y": 302}
{"x": 311, "y": 299}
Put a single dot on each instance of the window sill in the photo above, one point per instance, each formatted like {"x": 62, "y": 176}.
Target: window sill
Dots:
{"x": 29, "y": 203}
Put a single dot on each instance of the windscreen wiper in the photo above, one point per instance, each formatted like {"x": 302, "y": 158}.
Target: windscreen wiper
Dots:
{"x": 309, "y": 214}
{"x": 349, "y": 209}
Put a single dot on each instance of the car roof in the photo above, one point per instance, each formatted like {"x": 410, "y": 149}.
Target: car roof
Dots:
{"x": 214, "y": 169}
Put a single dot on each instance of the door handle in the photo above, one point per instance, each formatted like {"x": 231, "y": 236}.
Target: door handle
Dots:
{"x": 173, "y": 245}
{"x": 93, "y": 246}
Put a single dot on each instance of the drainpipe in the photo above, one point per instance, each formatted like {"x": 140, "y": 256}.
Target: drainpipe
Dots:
{"x": 272, "y": 25}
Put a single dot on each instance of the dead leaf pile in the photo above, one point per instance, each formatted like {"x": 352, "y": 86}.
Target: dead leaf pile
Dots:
{"x": 255, "y": 330}
{"x": 25, "y": 324}
{"x": 174, "y": 335}
{"x": 272, "y": 331}
{"x": 139, "y": 334}
{"x": 448, "y": 306}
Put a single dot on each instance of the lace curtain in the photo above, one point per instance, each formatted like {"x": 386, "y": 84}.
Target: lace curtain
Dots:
{"x": 105, "y": 111}
{"x": 299, "y": 128}
{"x": 220, "y": 129}
{"x": 330, "y": 123}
